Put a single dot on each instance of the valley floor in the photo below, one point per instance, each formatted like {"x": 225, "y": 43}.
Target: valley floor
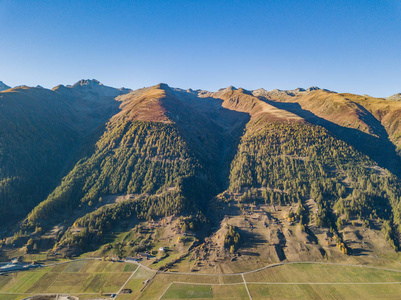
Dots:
{"x": 92, "y": 278}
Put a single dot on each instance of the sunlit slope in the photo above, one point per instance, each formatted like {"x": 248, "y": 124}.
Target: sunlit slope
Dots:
{"x": 315, "y": 178}
{"x": 243, "y": 101}
{"x": 295, "y": 162}
{"x": 358, "y": 120}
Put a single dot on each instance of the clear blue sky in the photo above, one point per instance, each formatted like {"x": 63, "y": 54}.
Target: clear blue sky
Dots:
{"x": 346, "y": 46}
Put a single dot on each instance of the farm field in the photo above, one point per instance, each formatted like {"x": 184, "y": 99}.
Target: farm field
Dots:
{"x": 96, "y": 279}
{"x": 326, "y": 291}
{"x": 83, "y": 278}
{"x": 288, "y": 281}
{"x": 188, "y": 291}
{"x": 322, "y": 273}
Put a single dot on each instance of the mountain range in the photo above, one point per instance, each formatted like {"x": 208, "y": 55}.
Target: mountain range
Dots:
{"x": 304, "y": 174}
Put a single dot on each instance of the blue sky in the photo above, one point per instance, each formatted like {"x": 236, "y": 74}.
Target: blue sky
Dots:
{"x": 346, "y": 46}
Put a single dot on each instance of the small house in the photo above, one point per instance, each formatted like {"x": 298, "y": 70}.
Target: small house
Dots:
{"x": 143, "y": 255}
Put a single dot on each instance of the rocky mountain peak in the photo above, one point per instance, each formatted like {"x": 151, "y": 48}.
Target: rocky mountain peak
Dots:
{"x": 396, "y": 97}
{"x": 3, "y": 86}
{"x": 88, "y": 82}
{"x": 228, "y": 89}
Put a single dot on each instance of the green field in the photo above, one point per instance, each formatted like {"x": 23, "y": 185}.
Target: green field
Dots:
{"x": 322, "y": 273}
{"x": 87, "y": 279}
{"x": 293, "y": 281}
{"x": 325, "y": 291}
{"x": 184, "y": 291}
{"x": 192, "y": 291}
{"x": 136, "y": 284}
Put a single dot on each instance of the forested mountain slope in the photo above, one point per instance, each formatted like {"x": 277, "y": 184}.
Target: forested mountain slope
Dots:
{"x": 369, "y": 124}
{"x": 100, "y": 158}
{"x": 315, "y": 173}
{"x": 40, "y": 130}
{"x": 168, "y": 161}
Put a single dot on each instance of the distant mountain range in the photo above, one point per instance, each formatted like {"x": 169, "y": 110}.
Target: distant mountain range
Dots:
{"x": 80, "y": 162}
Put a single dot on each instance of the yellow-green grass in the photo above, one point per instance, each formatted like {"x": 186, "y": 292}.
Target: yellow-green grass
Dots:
{"x": 161, "y": 282}
{"x": 130, "y": 268}
{"x": 19, "y": 282}
{"x": 42, "y": 256}
{"x": 85, "y": 276}
{"x": 136, "y": 283}
{"x": 322, "y": 273}
{"x": 173, "y": 253}
{"x": 325, "y": 291}
{"x": 186, "y": 264}
{"x": 301, "y": 280}
{"x": 12, "y": 297}
{"x": 185, "y": 291}
{"x": 75, "y": 266}
{"x": 237, "y": 291}
{"x": 194, "y": 278}
{"x": 192, "y": 291}
{"x": 144, "y": 274}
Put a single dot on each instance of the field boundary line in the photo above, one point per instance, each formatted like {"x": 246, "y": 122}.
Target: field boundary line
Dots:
{"x": 280, "y": 283}
{"x": 166, "y": 290}
{"x": 238, "y": 273}
{"x": 143, "y": 266}
{"x": 63, "y": 270}
{"x": 278, "y": 265}
{"x": 125, "y": 283}
{"x": 46, "y": 294}
{"x": 55, "y": 279}
{"x": 213, "y": 284}
{"x": 227, "y": 284}
{"x": 323, "y": 283}
{"x": 148, "y": 283}
{"x": 249, "y": 294}
{"x": 198, "y": 283}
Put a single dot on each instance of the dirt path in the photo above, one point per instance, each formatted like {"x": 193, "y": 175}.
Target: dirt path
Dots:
{"x": 123, "y": 286}
{"x": 242, "y": 275}
{"x": 247, "y": 290}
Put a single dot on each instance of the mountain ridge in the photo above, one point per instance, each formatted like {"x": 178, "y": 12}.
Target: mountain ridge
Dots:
{"x": 3, "y": 86}
{"x": 224, "y": 159}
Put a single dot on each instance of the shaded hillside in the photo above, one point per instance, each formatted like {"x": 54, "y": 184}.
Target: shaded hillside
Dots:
{"x": 132, "y": 158}
{"x": 40, "y": 130}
